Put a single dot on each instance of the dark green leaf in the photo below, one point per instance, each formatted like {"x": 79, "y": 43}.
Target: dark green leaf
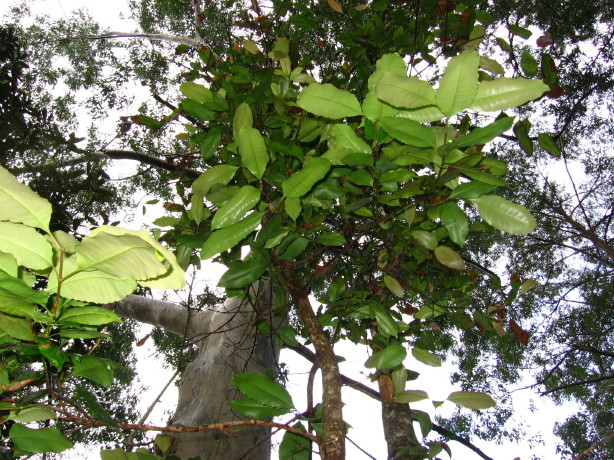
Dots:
{"x": 483, "y": 135}
{"x": 547, "y": 143}
{"x": 241, "y": 274}
{"x": 38, "y": 441}
{"x": 294, "y": 446}
{"x": 263, "y": 390}
{"x": 200, "y": 111}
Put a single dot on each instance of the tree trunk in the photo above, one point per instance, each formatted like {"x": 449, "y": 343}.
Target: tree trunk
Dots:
{"x": 228, "y": 345}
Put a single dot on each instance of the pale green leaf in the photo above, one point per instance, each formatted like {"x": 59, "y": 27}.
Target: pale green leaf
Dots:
{"x": 263, "y": 390}
{"x": 235, "y": 209}
{"x": 426, "y": 357}
{"x": 196, "y": 92}
{"x": 253, "y": 151}
{"x": 220, "y": 174}
{"x": 327, "y": 101}
{"x": 528, "y": 285}
{"x": 243, "y": 117}
{"x": 38, "y": 440}
{"x": 375, "y": 110}
{"x": 226, "y": 238}
{"x": 411, "y": 396}
{"x": 8, "y": 263}
{"x": 504, "y": 93}
{"x": 299, "y": 183}
{"x": 455, "y": 221}
{"x": 459, "y": 84}
{"x": 30, "y": 248}
{"x": 32, "y": 414}
{"x": 505, "y": 215}
{"x": 422, "y": 114}
{"x": 91, "y": 316}
{"x": 472, "y": 399}
{"x": 16, "y": 288}
{"x": 394, "y": 286}
{"x": 409, "y": 132}
{"x": 491, "y": 66}
{"x": 346, "y": 137}
{"x": 449, "y": 257}
{"x": 20, "y": 204}
{"x": 424, "y": 238}
{"x": 404, "y": 92}
{"x": 392, "y": 63}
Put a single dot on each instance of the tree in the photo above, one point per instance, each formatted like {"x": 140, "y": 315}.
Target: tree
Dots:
{"x": 338, "y": 237}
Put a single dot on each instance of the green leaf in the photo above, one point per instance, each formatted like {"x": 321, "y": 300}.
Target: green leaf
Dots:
{"x": 263, "y": 390}
{"x": 504, "y": 93}
{"x": 241, "y": 274}
{"x": 30, "y": 248}
{"x": 405, "y": 92}
{"x": 299, "y": 183}
{"x": 163, "y": 442}
{"x": 95, "y": 369}
{"x": 210, "y": 142}
{"x": 228, "y": 237}
{"x": 195, "y": 92}
{"x": 347, "y": 138}
{"x": 424, "y": 238}
{"x": 375, "y": 110}
{"x": 255, "y": 410}
{"x": 18, "y": 328}
{"x": 394, "y": 286}
{"x": 293, "y": 208}
{"x": 294, "y": 248}
{"x": 234, "y": 209}
{"x": 32, "y": 414}
{"x": 521, "y": 130}
{"x": 294, "y": 446}
{"x": 92, "y": 316}
{"x": 547, "y": 143}
{"x": 331, "y": 239}
{"x": 520, "y": 31}
{"x": 479, "y": 175}
{"x": 411, "y": 396}
{"x": 288, "y": 335}
{"x": 486, "y": 134}
{"x": 422, "y": 114}
{"x": 243, "y": 117}
{"x": 472, "y": 399}
{"x": 426, "y": 357}
{"x": 387, "y": 325}
{"x": 22, "y": 205}
{"x": 220, "y": 174}
{"x": 455, "y": 221}
{"x": 424, "y": 420}
{"x": 94, "y": 408}
{"x": 38, "y": 440}
{"x": 491, "y": 66}
{"x": 8, "y": 264}
{"x": 93, "y": 286}
{"x": 253, "y": 151}
{"x": 449, "y": 257}
{"x": 528, "y": 64}
{"x": 469, "y": 190}
{"x": 391, "y": 356}
{"x": 409, "y": 132}
{"x": 505, "y": 215}
{"x": 327, "y": 101}
{"x": 16, "y": 288}
{"x": 459, "y": 83}
{"x": 199, "y": 111}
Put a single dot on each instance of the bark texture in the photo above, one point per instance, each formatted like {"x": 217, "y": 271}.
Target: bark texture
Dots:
{"x": 228, "y": 345}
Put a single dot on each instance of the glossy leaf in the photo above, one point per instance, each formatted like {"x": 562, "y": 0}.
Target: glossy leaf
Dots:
{"x": 394, "y": 286}
{"x": 424, "y": 238}
{"x": 455, "y": 221}
{"x": 411, "y": 396}
{"x": 226, "y": 238}
{"x": 92, "y": 316}
{"x": 20, "y": 204}
{"x": 459, "y": 84}
{"x": 505, "y": 215}
{"x": 426, "y": 357}
{"x": 327, "y": 101}
{"x": 39, "y": 440}
{"x": 235, "y": 209}
{"x": 504, "y": 93}
{"x": 387, "y": 325}
{"x": 243, "y": 117}
{"x": 241, "y": 274}
{"x": 449, "y": 257}
{"x": 263, "y": 390}
{"x": 30, "y": 248}
{"x": 300, "y": 183}
{"x": 391, "y": 356}
{"x": 469, "y": 190}
{"x": 199, "y": 111}
{"x": 220, "y": 174}
{"x": 95, "y": 369}
{"x": 472, "y": 399}
{"x": 422, "y": 114}
{"x": 346, "y": 137}
{"x": 210, "y": 142}
{"x": 293, "y": 208}
{"x": 409, "y": 132}
{"x": 255, "y": 410}
{"x": 487, "y": 133}
{"x": 253, "y": 151}
{"x": 404, "y": 92}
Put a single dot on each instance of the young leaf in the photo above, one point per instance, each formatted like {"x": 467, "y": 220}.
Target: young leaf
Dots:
{"x": 404, "y": 92}
{"x": 504, "y": 93}
{"x": 459, "y": 84}
{"x": 346, "y": 137}
{"x": 234, "y": 209}
{"x": 195, "y": 92}
{"x": 32, "y": 414}
{"x": 472, "y": 399}
{"x": 327, "y": 101}
{"x": 505, "y": 215}
{"x": 253, "y": 151}
{"x": 21, "y": 205}
{"x": 39, "y": 440}
{"x": 263, "y": 390}
{"x": 228, "y": 237}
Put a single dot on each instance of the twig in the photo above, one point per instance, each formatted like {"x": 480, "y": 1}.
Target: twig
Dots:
{"x": 594, "y": 446}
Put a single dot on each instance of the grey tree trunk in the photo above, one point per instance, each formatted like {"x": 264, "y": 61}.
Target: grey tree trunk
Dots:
{"x": 229, "y": 344}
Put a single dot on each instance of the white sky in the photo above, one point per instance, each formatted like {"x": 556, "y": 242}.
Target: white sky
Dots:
{"x": 361, "y": 412}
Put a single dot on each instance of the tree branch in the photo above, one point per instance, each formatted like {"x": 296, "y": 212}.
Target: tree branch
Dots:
{"x": 582, "y": 382}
